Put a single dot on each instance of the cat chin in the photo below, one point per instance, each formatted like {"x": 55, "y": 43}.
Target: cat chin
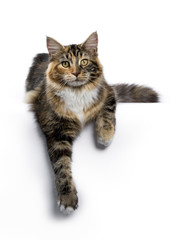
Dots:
{"x": 76, "y": 83}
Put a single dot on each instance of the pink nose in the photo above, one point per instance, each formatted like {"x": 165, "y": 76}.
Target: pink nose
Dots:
{"x": 75, "y": 73}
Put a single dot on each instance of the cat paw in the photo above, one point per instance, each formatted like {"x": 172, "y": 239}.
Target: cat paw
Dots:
{"x": 68, "y": 203}
{"x": 104, "y": 143}
{"x": 65, "y": 210}
{"x": 105, "y": 135}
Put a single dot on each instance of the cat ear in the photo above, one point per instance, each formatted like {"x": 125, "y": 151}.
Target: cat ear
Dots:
{"x": 53, "y": 47}
{"x": 91, "y": 44}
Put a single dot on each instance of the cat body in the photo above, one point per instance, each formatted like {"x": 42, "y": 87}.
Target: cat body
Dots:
{"x": 66, "y": 89}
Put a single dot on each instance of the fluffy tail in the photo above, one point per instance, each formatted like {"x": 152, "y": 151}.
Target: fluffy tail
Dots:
{"x": 134, "y": 93}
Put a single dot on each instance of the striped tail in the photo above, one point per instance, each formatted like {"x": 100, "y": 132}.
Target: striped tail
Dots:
{"x": 134, "y": 93}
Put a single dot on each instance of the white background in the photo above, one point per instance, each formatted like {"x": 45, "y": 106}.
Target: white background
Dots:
{"x": 130, "y": 190}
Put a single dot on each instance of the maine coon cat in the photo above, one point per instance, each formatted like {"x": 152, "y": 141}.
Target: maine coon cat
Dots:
{"x": 67, "y": 89}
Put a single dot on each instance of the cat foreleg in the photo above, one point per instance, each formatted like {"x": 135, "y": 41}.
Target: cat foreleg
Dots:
{"x": 105, "y": 121}
{"x": 60, "y": 151}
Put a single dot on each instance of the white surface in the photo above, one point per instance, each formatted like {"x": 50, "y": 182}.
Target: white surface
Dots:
{"x": 130, "y": 190}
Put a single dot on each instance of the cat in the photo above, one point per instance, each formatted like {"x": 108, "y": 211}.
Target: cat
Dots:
{"x": 67, "y": 89}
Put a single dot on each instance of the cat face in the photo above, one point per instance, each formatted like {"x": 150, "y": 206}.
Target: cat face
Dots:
{"x": 74, "y": 65}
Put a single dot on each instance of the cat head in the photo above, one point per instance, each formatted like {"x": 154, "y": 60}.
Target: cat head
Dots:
{"x": 74, "y": 65}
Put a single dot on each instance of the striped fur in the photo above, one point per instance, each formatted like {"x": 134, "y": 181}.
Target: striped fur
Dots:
{"x": 64, "y": 99}
{"x": 134, "y": 93}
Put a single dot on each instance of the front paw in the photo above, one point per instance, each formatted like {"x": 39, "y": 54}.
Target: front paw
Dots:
{"x": 68, "y": 202}
{"x": 103, "y": 143}
{"x": 105, "y": 135}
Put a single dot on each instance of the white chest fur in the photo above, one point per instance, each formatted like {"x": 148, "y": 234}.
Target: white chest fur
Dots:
{"x": 78, "y": 101}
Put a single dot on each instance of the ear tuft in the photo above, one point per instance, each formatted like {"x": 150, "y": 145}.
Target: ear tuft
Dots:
{"x": 91, "y": 43}
{"x": 53, "y": 46}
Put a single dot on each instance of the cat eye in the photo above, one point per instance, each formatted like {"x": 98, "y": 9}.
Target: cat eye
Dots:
{"x": 84, "y": 62}
{"x": 65, "y": 64}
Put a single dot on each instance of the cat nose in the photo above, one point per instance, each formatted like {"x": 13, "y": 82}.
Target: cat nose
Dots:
{"x": 75, "y": 74}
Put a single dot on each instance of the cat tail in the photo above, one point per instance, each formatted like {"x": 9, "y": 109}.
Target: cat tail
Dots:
{"x": 134, "y": 93}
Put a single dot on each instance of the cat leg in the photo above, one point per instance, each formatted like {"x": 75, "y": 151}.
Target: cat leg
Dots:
{"x": 105, "y": 121}
{"x": 60, "y": 151}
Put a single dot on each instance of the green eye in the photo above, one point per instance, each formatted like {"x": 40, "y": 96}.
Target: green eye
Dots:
{"x": 84, "y": 62}
{"x": 65, "y": 64}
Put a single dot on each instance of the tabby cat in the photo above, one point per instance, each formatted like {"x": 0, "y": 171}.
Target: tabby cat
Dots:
{"x": 66, "y": 89}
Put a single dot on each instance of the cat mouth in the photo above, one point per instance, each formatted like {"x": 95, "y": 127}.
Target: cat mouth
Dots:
{"x": 76, "y": 83}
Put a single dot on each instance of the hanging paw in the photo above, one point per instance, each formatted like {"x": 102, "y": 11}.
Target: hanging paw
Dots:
{"x": 103, "y": 143}
{"x": 65, "y": 210}
{"x": 105, "y": 135}
{"x": 68, "y": 203}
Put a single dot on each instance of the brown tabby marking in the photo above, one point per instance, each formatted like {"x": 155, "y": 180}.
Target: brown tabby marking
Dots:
{"x": 65, "y": 98}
